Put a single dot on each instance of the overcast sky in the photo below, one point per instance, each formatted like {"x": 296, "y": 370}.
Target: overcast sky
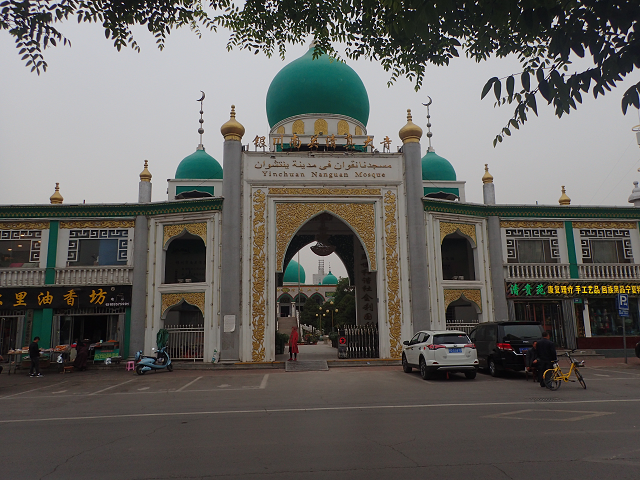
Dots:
{"x": 92, "y": 119}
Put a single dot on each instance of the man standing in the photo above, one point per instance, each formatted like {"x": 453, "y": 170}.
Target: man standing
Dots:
{"x": 34, "y": 355}
{"x": 546, "y": 356}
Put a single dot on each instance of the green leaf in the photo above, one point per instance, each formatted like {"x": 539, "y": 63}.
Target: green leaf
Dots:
{"x": 497, "y": 89}
{"x": 525, "y": 78}
{"x": 510, "y": 85}
{"x": 487, "y": 86}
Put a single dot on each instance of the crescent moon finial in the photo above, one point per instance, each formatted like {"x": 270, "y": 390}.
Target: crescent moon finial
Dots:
{"x": 429, "y": 103}
{"x": 201, "y": 98}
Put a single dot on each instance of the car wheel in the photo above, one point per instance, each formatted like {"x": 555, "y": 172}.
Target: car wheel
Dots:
{"x": 424, "y": 373}
{"x": 493, "y": 370}
{"x": 470, "y": 375}
{"x": 405, "y": 366}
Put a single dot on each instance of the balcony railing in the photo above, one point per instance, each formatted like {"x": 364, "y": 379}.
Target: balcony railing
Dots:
{"x": 536, "y": 271}
{"x": 19, "y": 277}
{"x": 115, "y": 275}
{"x": 609, "y": 271}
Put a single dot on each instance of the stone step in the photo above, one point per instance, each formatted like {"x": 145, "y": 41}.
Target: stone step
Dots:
{"x": 306, "y": 366}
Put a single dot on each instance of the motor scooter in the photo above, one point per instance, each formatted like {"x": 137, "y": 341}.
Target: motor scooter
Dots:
{"x": 146, "y": 363}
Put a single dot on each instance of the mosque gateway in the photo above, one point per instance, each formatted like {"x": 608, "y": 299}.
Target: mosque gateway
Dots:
{"x": 215, "y": 265}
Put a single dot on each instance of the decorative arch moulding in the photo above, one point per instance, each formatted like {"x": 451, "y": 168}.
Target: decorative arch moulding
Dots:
{"x": 468, "y": 229}
{"x": 198, "y": 229}
{"x": 525, "y": 224}
{"x": 258, "y": 276}
{"x": 392, "y": 262}
{"x": 192, "y": 298}
{"x": 78, "y": 224}
{"x": 290, "y": 217}
{"x": 24, "y": 226}
{"x": 472, "y": 295}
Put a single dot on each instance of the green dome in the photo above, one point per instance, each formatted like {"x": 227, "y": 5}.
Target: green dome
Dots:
{"x": 436, "y": 168}
{"x": 199, "y": 165}
{"x": 320, "y": 86}
{"x": 291, "y": 273}
{"x": 330, "y": 279}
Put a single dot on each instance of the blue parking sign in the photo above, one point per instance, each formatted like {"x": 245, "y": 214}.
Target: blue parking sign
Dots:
{"x": 623, "y": 304}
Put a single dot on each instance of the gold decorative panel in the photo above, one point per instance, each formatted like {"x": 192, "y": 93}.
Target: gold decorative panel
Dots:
{"x": 530, "y": 224}
{"x": 291, "y": 216}
{"x": 258, "y": 276}
{"x": 345, "y": 192}
{"x": 471, "y": 295}
{"x": 198, "y": 229}
{"x": 24, "y": 226}
{"x": 193, "y": 298}
{"x": 343, "y": 127}
{"x": 98, "y": 224}
{"x": 394, "y": 304}
{"x": 298, "y": 127}
{"x": 465, "y": 228}
{"x": 281, "y": 129}
{"x": 614, "y": 225}
{"x": 320, "y": 127}
{"x": 358, "y": 130}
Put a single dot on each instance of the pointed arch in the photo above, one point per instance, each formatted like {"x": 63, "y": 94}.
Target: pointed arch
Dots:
{"x": 343, "y": 127}
{"x": 298, "y": 127}
{"x": 320, "y": 127}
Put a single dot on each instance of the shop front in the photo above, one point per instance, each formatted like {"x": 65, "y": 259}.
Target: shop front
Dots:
{"x": 578, "y": 314}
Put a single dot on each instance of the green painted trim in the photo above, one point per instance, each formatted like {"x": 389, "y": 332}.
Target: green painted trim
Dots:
{"x": 571, "y": 248}
{"x": 127, "y": 333}
{"x": 427, "y": 190}
{"x": 208, "y": 190}
{"x": 110, "y": 210}
{"x": 52, "y": 250}
{"x": 46, "y": 324}
{"x": 531, "y": 211}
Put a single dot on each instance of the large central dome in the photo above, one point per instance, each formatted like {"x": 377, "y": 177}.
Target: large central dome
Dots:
{"x": 323, "y": 85}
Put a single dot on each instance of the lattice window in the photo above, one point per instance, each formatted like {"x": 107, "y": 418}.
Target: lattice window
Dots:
{"x": 98, "y": 247}
{"x": 606, "y": 245}
{"x": 320, "y": 127}
{"x": 343, "y": 127}
{"x": 298, "y": 127}
{"x": 532, "y": 245}
{"x": 18, "y": 247}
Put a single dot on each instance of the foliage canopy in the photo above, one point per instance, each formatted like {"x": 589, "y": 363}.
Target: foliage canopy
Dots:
{"x": 405, "y": 36}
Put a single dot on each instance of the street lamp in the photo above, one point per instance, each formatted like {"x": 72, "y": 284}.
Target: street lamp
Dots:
{"x": 332, "y": 312}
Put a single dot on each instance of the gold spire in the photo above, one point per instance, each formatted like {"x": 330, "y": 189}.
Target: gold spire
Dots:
{"x": 56, "y": 198}
{"x": 145, "y": 175}
{"x": 487, "y": 177}
{"x": 232, "y": 130}
{"x": 410, "y": 132}
{"x": 564, "y": 199}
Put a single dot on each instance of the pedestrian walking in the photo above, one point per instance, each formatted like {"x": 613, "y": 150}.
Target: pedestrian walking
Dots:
{"x": 34, "y": 356}
{"x": 293, "y": 344}
{"x": 546, "y": 356}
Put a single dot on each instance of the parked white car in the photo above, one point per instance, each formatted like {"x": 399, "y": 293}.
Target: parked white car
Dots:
{"x": 434, "y": 351}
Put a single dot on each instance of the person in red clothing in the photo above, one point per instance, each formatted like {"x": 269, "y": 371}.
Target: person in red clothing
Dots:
{"x": 293, "y": 344}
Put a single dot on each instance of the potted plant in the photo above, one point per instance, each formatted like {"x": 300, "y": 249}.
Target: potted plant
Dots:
{"x": 281, "y": 339}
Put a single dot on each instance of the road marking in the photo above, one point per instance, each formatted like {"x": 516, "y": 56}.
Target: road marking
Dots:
{"x": 59, "y": 391}
{"x": 263, "y": 384}
{"x": 601, "y": 375}
{"x": 615, "y": 371}
{"x": 512, "y": 415}
{"x": 224, "y": 385}
{"x": 112, "y": 386}
{"x": 143, "y": 388}
{"x": 33, "y": 390}
{"x": 312, "y": 409}
{"x": 190, "y": 383}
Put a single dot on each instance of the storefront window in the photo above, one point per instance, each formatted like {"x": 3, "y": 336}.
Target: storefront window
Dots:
{"x": 548, "y": 314}
{"x": 606, "y": 322}
{"x": 19, "y": 249}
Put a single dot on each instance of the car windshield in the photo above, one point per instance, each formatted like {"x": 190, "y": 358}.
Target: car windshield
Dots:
{"x": 522, "y": 332}
{"x": 445, "y": 339}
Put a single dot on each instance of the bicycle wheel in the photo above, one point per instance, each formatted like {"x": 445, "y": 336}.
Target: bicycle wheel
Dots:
{"x": 552, "y": 379}
{"x": 581, "y": 380}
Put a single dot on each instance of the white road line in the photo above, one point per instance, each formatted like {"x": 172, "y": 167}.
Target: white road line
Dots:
{"x": 112, "y": 386}
{"x": 614, "y": 371}
{"x": 313, "y": 409}
{"x": 190, "y": 383}
{"x": 33, "y": 390}
{"x": 263, "y": 384}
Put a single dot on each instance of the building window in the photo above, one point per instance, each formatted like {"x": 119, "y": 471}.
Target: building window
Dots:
{"x": 606, "y": 246}
{"x": 457, "y": 258}
{"x": 532, "y": 245}
{"x": 605, "y": 321}
{"x": 186, "y": 260}
{"x": 20, "y": 248}
{"x": 97, "y": 247}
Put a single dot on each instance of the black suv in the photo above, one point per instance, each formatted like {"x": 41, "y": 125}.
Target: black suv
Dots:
{"x": 503, "y": 345}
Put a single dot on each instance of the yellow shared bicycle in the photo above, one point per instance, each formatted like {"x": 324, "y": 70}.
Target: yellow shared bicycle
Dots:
{"x": 554, "y": 376}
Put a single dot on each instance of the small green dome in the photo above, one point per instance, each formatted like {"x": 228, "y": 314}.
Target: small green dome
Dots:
{"x": 330, "y": 279}
{"x": 291, "y": 273}
{"x": 323, "y": 85}
{"x": 199, "y": 165}
{"x": 437, "y": 168}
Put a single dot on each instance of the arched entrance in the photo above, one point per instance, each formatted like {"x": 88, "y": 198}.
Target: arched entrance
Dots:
{"x": 185, "y": 324}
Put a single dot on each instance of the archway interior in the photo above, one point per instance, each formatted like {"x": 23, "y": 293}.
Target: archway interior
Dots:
{"x": 457, "y": 258}
{"x": 185, "y": 260}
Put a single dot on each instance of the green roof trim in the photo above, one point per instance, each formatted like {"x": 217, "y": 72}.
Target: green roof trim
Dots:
{"x": 454, "y": 191}
{"x": 109, "y": 210}
{"x": 198, "y": 188}
{"x": 530, "y": 211}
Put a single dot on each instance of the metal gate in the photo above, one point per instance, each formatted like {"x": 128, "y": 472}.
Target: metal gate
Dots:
{"x": 362, "y": 341}
{"x": 185, "y": 343}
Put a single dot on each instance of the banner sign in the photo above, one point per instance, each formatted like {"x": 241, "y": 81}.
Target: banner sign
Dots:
{"x": 565, "y": 290}
{"x": 65, "y": 297}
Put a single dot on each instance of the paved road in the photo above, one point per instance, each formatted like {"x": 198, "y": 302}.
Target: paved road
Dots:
{"x": 351, "y": 423}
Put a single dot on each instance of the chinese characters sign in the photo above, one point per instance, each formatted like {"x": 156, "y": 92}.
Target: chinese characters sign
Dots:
{"x": 545, "y": 289}
{"x": 65, "y": 297}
